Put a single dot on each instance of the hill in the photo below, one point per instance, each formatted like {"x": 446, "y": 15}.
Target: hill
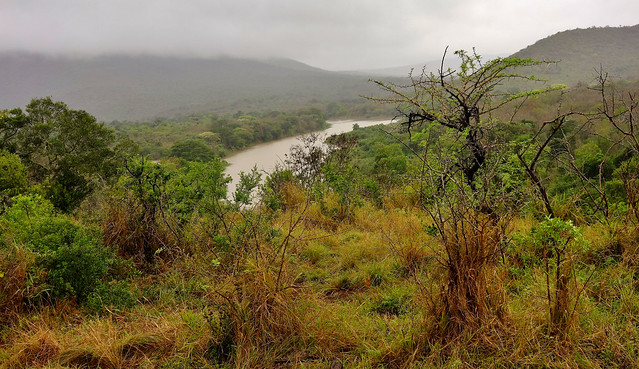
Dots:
{"x": 583, "y": 51}
{"x": 142, "y": 87}
{"x": 121, "y": 87}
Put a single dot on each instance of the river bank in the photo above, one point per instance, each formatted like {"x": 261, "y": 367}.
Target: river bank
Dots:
{"x": 267, "y": 155}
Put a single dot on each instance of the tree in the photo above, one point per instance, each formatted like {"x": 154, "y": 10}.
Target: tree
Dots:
{"x": 192, "y": 150}
{"x": 461, "y": 101}
{"x": 11, "y": 122}
{"x": 450, "y": 115}
{"x": 65, "y": 150}
{"x": 13, "y": 177}
{"x": 619, "y": 109}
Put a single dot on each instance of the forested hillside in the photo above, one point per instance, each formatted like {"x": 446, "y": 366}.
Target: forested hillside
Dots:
{"x": 146, "y": 87}
{"x": 583, "y": 52}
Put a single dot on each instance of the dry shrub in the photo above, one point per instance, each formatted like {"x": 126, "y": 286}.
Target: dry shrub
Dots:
{"x": 137, "y": 233}
{"x": 293, "y": 195}
{"x": 629, "y": 244}
{"x": 406, "y": 197}
{"x": 408, "y": 243}
{"x": 14, "y": 265}
{"x": 37, "y": 350}
{"x": 332, "y": 331}
{"x": 265, "y": 322}
{"x": 316, "y": 218}
{"x": 472, "y": 296}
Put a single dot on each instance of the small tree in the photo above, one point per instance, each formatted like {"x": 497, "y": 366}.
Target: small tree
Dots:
{"x": 451, "y": 114}
{"x": 619, "y": 109}
{"x": 13, "y": 177}
{"x": 556, "y": 238}
{"x": 66, "y": 150}
{"x": 463, "y": 102}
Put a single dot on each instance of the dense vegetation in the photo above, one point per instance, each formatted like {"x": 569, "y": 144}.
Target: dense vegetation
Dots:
{"x": 200, "y": 137}
{"x": 481, "y": 230}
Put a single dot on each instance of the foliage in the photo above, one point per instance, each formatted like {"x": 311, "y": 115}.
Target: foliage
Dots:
{"x": 192, "y": 150}
{"x": 66, "y": 150}
{"x": 248, "y": 182}
{"x": 112, "y": 295}
{"x": 372, "y": 249}
{"x": 11, "y": 123}
{"x": 461, "y": 101}
{"x": 13, "y": 177}
{"x": 200, "y": 136}
{"x": 152, "y": 203}
{"x": 70, "y": 258}
{"x": 557, "y": 240}
{"x": 136, "y": 223}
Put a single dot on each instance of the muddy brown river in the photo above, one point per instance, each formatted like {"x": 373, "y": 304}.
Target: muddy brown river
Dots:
{"x": 265, "y": 156}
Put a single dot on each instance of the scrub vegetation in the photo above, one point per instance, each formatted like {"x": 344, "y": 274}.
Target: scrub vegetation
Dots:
{"x": 484, "y": 228}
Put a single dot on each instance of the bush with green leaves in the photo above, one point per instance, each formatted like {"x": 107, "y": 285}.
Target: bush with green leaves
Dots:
{"x": 115, "y": 294}
{"x": 558, "y": 240}
{"x": 66, "y": 151}
{"x": 13, "y": 174}
{"x": 70, "y": 259}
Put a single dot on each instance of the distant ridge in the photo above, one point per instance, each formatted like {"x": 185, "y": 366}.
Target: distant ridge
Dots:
{"x": 452, "y": 61}
{"x": 120, "y": 87}
{"x": 583, "y": 51}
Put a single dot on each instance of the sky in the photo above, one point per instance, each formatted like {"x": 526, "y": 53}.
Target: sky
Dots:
{"x": 329, "y": 34}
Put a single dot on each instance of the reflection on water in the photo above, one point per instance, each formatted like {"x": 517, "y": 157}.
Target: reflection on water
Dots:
{"x": 266, "y": 156}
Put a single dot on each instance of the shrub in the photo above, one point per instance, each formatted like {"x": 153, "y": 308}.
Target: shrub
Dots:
{"x": 114, "y": 295}
{"x": 70, "y": 259}
{"x": 13, "y": 174}
{"x": 71, "y": 256}
{"x": 391, "y": 304}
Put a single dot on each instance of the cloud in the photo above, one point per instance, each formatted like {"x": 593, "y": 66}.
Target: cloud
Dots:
{"x": 333, "y": 34}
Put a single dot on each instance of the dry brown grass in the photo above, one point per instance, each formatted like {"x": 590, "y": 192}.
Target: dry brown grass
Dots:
{"x": 472, "y": 298}
{"x": 266, "y": 319}
{"x": 35, "y": 348}
{"x": 14, "y": 266}
{"x": 137, "y": 233}
{"x": 85, "y": 358}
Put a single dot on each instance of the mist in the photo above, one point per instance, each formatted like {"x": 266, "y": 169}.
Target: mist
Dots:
{"x": 333, "y": 35}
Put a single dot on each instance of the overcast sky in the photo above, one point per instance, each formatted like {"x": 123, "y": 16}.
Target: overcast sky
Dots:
{"x": 330, "y": 34}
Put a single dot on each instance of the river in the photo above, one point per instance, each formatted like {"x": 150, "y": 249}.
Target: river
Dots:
{"x": 265, "y": 156}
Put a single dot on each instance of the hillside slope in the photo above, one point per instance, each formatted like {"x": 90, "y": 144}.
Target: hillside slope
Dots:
{"x": 143, "y": 87}
{"x": 583, "y": 51}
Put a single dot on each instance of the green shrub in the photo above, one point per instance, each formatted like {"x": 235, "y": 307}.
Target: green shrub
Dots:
{"x": 116, "y": 294}
{"x": 13, "y": 174}
{"x": 78, "y": 264}
{"x": 392, "y": 304}
{"x": 70, "y": 258}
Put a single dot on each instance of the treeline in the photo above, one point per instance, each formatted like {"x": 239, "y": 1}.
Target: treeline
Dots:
{"x": 204, "y": 136}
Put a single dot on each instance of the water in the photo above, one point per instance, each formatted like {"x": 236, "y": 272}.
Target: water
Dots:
{"x": 265, "y": 156}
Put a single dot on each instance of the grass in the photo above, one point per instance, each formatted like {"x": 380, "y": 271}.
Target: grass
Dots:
{"x": 362, "y": 293}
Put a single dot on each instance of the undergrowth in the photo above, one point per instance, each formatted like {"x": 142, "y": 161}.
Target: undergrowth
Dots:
{"x": 307, "y": 292}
